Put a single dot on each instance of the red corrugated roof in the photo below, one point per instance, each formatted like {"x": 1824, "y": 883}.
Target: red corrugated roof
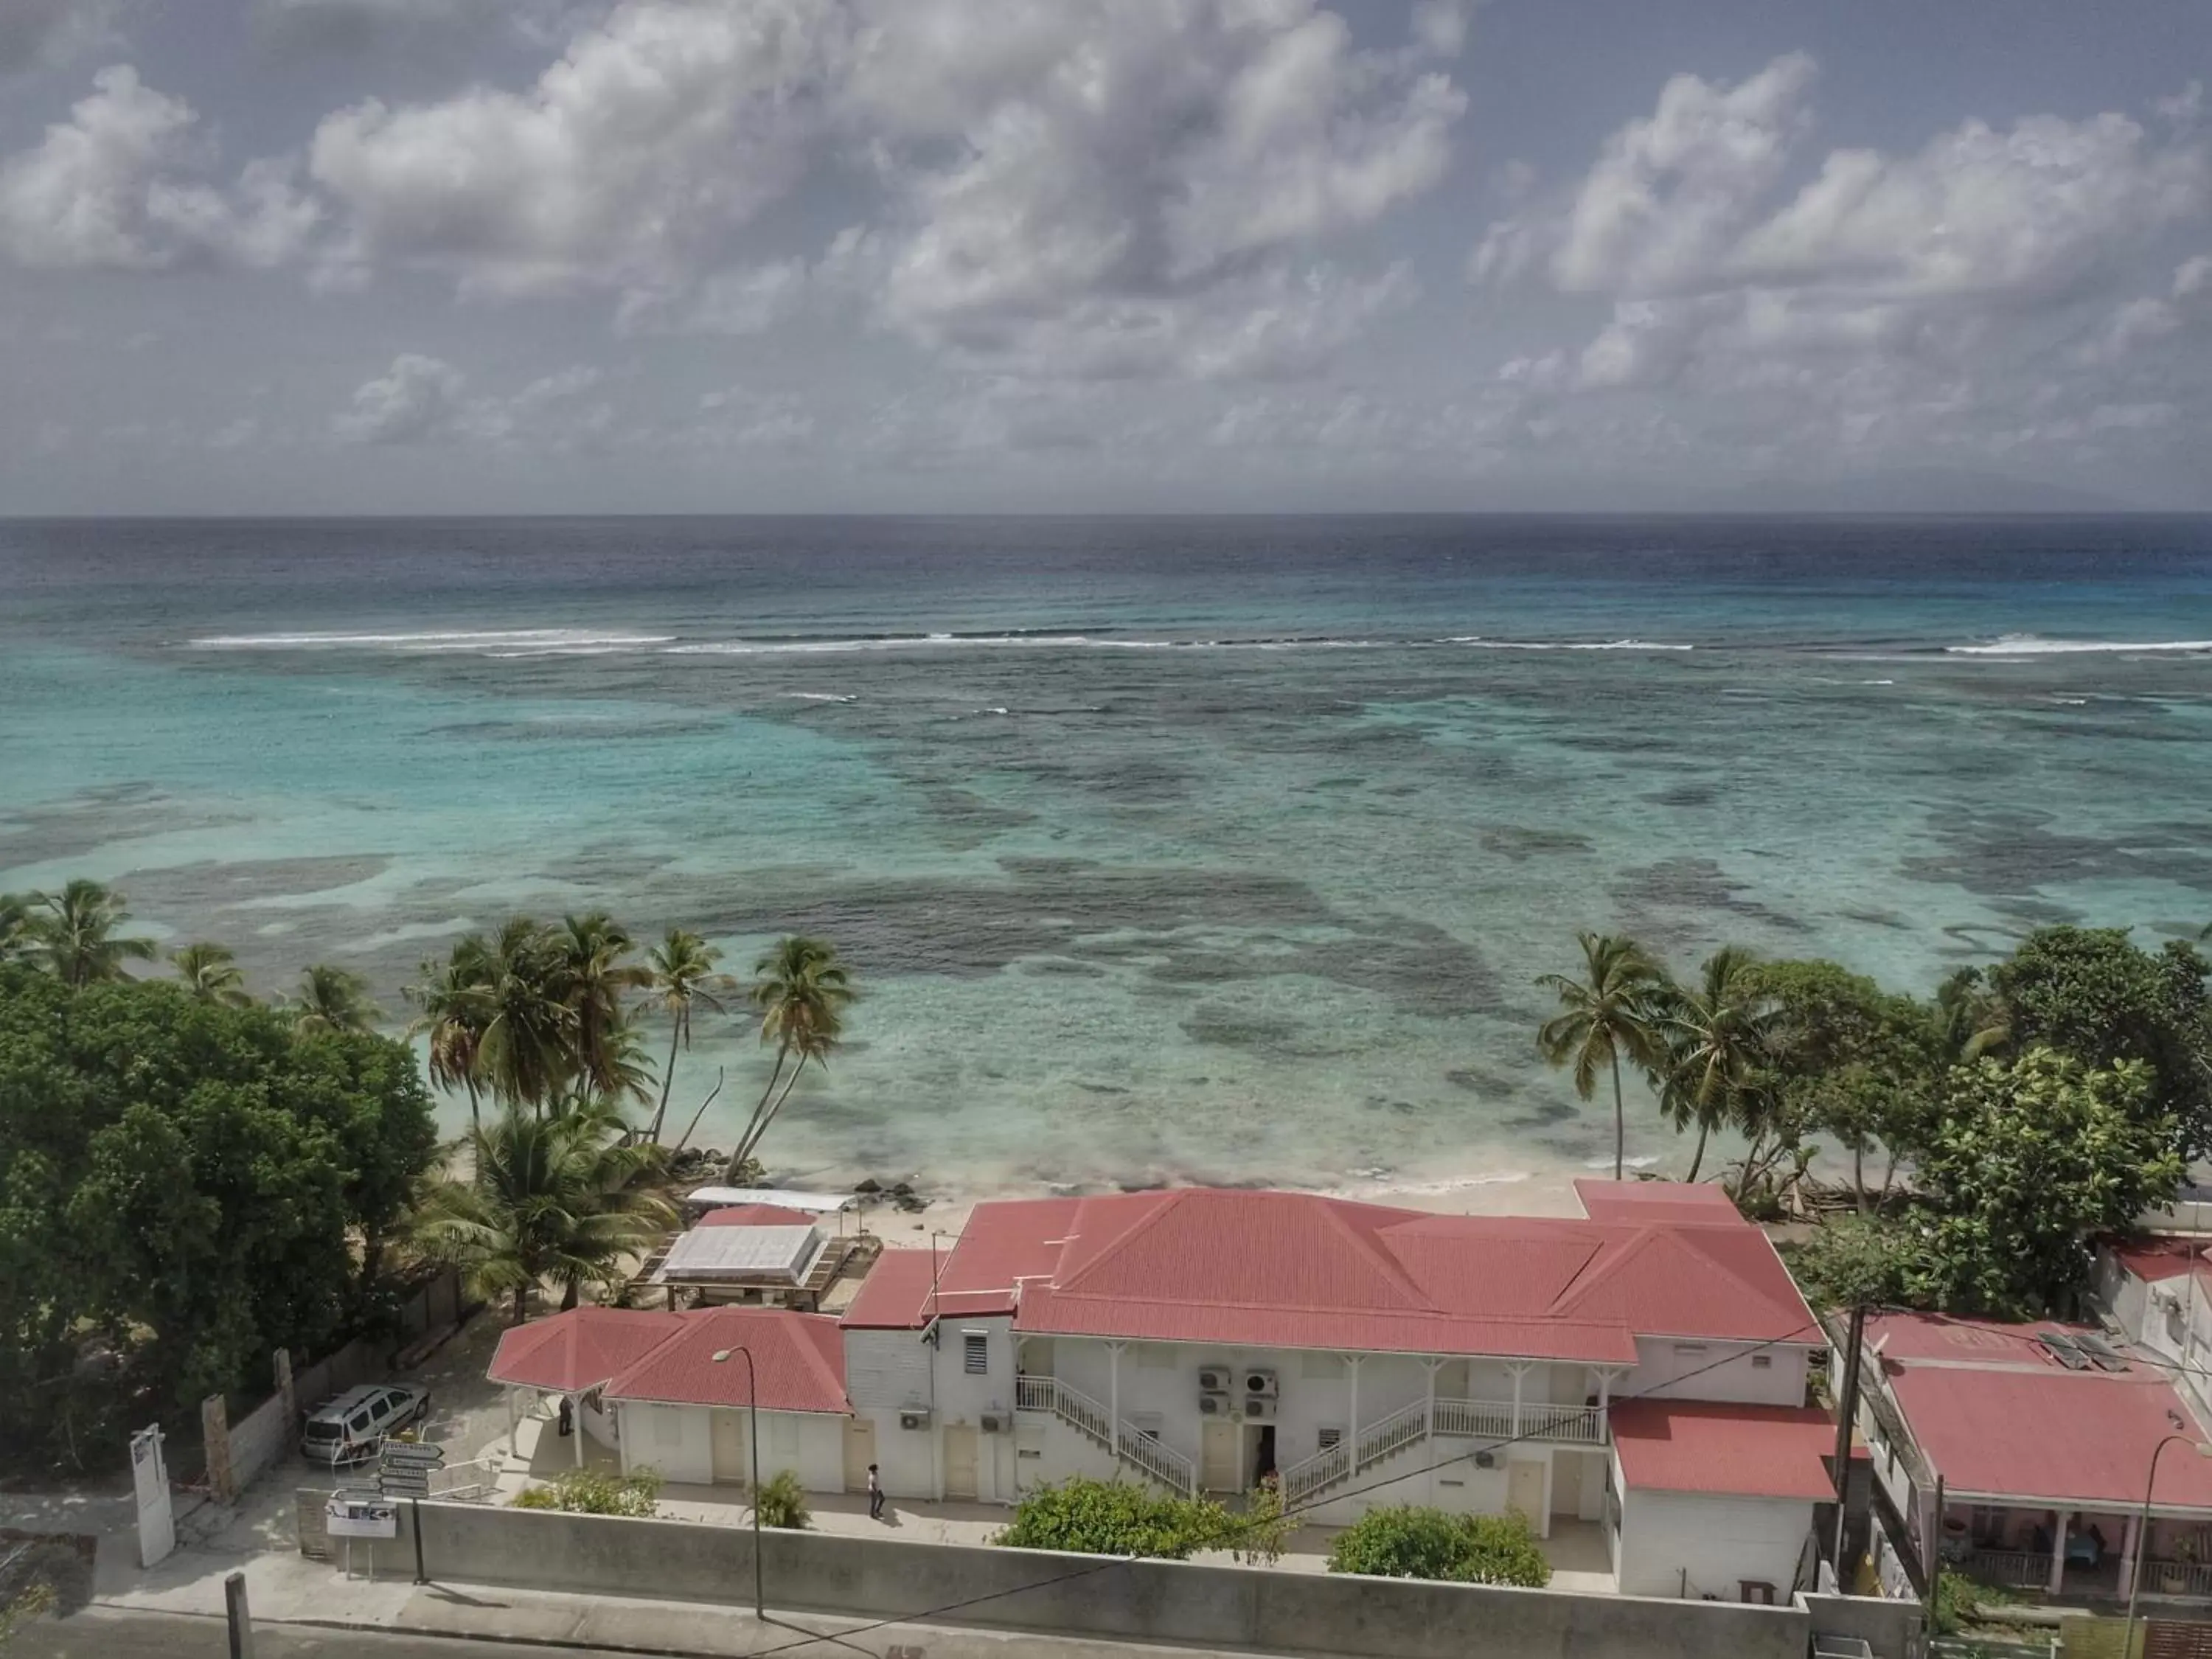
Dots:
{"x": 1297, "y": 1270}
{"x": 1939, "y": 1339}
{"x": 579, "y": 1349}
{"x": 799, "y": 1358}
{"x": 1686, "y": 1201}
{"x": 756, "y": 1215}
{"x": 1742, "y": 1451}
{"x": 2155, "y": 1258}
{"x": 895, "y": 1295}
{"x": 2056, "y": 1435}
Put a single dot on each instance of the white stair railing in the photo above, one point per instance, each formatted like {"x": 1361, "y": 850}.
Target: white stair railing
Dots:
{"x": 1316, "y": 1473}
{"x": 1132, "y": 1445}
{"x": 1401, "y": 1428}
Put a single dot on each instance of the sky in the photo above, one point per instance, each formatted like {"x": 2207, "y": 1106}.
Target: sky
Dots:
{"x": 570, "y": 256}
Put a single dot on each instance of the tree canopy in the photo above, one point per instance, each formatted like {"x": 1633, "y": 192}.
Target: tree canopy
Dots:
{"x": 1405, "y": 1541}
{"x": 185, "y": 1186}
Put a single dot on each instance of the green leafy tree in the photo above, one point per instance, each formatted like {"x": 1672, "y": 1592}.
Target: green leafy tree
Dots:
{"x": 454, "y": 997}
{"x": 683, "y": 978}
{"x": 563, "y": 1196}
{"x": 802, "y": 990}
{"x": 1718, "y": 1036}
{"x": 1118, "y": 1517}
{"x": 2031, "y": 1162}
{"x": 594, "y": 1491}
{"x": 1604, "y": 1017}
{"x": 185, "y": 1186}
{"x": 15, "y": 921}
{"x": 332, "y": 1000}
{"x": 1407, "y": 1541}
{"x": 1864, "y": 1260}
{"x": 72, "y": 933}
{"x": 783, "y": 1503}
{"x": 210, "y": 973}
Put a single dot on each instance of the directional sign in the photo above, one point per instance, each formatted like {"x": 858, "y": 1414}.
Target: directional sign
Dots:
{"x": 404, "y": 1485}
{"x": 402, "y": 1454}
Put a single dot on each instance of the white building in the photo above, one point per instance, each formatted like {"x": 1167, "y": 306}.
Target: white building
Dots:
{"x": 1361, "y": 1355}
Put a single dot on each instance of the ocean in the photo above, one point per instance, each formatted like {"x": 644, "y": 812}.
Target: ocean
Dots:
{"x": 1218, "y": 848}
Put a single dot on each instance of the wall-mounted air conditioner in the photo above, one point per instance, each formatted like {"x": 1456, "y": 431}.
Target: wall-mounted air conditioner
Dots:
{"x": 1260, "y": 1385}
{"x": 996, "y": 1422}
{"x": 1213, "y": 1379}
{"x": 914, "y": 1417}
{"x": 1259, "y": 1409}
{"x": 1213, "y": 1404}
{"x": 1485, "y": 1460}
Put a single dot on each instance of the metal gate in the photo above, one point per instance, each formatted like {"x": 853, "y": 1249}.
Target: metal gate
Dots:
{"x": 150, "y": 1482}
{"x": 2164, "y": 1639}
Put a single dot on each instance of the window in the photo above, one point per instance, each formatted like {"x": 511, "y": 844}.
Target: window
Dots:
{"x": 1689, "y": 1349}
{"x": 1762, "y": 1362}
{"x": 1331, "y": 1437}
{"x": 974, "y": 1354}
{"x": 358, "y": 1422}
{"x": 1148, "y": 1423}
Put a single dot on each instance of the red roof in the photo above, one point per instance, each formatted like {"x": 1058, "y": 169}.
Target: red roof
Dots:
{"x": 579, "y": 1349}
{"x": 1685, "y": 1202}
{"x": 2155, "y": 1258}
{"x": 1299, "y": 1271}
{"x": 895, "y": 1295}
{"x": 1939, "y": 1339}
{"x": 1742, "y": 1451}
{"x": 756, "y": 1215}
{"x": 799, "y": 1357}
{"x": 2052, "y": 1436}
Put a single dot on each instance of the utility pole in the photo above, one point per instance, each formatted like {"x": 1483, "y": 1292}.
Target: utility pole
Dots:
{"x": 1847, "y": 1412}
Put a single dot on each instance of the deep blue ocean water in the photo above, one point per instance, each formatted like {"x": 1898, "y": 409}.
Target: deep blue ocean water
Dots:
{"x": 1214, "y": 848}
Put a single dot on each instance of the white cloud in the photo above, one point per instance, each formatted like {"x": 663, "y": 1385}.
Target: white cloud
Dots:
{"x": 751, "y": 300}
{"x": 122, "y": 184}
{"x": 44, "y": 33}
{"x": 417, "y": 398}
{"x": 422, "y": 399}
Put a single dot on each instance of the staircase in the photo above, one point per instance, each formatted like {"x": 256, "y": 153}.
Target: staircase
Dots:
{"x": 1486, "y": 1419}
{"x": 1131, "y": 1445}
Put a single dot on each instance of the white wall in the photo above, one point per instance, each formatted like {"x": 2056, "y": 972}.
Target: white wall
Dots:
{"x": 1685, "y": 1368}
{"x": 889, "y": 1372}
{"x": 678, "y": 1441}
{"x": 1715, "y": 1541}
{"x": 673, "y": 1439}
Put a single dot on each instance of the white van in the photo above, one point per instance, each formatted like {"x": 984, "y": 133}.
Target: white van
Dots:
{"x": 350, "y": 1429}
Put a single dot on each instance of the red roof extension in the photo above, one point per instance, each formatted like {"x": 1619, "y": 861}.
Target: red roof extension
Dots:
{"x": 799, "y": 1357}
{"x": 895, "y": 1295}
{"x": 1685, "y": 1202}
{"x": 1999, "y": 1418}
{"x": 1740, "y": 1451}
{"x": 578, "y": 1349}
{"x": 756, "y": 1215}
{"x": 2155, "y": 1258}
{"x": 1299, "y": 1271}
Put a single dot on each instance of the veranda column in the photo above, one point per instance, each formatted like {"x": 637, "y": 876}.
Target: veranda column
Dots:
{"x": 1520, "y": 1369}
{"x": 2059, "y": 1554}
{"x": 2129, "y": 1551}
{"x": 1433, "y": 1365}
{"x": 1353, "y": 1360}
{"x": 576, "y": 1425}
{"x": 1114, "y": 1398}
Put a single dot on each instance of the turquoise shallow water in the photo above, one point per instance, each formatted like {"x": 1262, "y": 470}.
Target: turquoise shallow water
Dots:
{"x": 1224, "y": 849}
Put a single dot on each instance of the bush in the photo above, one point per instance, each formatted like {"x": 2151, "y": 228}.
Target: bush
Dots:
{"x": 1405, "y": 1542}
{"x": 1113, "y": 1517}
{"x": 783, "y": 1503}
{"x": 592, "y": 1491}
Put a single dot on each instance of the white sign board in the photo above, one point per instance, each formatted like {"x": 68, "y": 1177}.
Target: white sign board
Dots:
{"x": 350, "y": 1516}
{"x": 149, "y": 1479}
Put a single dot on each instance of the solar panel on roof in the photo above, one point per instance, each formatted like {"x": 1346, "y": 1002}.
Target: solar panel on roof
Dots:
{"x": 2064, "y": 1352}
{"x": 2101, "y": 1354}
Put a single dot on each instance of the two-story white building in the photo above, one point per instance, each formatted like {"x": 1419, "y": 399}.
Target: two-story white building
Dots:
{"x": 1359, "y": 1354}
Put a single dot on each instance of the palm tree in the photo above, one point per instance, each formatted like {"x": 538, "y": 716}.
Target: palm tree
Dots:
{"x": 802, "y": 991}
{"x": 1716, "y": 1035}
{"x": 332, "y": 999}
{"x": 594, "y": 949}
{"x": 14, "y": 915}
{"x": 526, "y": 1053}
{"x": 455, "y": 998}
{"x": 1602, "y": 1017}
{"x": 682, "y": 976}
{"x": 72, "y": 933}
{"x": 557, "y": 1196}
{"x": 209, "y": 974}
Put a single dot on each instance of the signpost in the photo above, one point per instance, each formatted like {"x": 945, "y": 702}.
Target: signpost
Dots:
{"x": 406, "y": 1473}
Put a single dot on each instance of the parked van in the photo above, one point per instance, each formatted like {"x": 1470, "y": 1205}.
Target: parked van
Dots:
{"x": 350, "y": 1429}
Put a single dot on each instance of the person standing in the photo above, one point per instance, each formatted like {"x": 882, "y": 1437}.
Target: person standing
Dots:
{"x": 875, "y": 1494}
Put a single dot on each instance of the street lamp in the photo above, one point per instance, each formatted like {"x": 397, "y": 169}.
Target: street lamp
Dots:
{"x": 752, "y": 1434}
{"x": 2143, "y": 1531}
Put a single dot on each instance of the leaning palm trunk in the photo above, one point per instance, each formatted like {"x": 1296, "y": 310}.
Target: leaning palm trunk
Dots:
{"x": 1619, "y": 1124}
{"x": 700, "y": 1113}
{"x": 1697, "y": 1159}
{"x": 763, "y": 1113}
{"x": 667, "y": 1081}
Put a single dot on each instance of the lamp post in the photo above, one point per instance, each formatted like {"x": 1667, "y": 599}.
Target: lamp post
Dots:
{"x": 753, "y": 1435}
{"x": 2143, "y": 1531}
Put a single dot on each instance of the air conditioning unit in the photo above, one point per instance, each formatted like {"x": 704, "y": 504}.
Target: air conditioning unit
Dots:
{"x": 914, "y": 1417}
{"x": 1213, "y": 1379}
{"x": 1485, "y": 1460}
{"x": 1260, "y": 1385}
{"x": 1213, "y": 1404}
{"x": 1258, "y": 1408}
{"x": 993, "y": 1422}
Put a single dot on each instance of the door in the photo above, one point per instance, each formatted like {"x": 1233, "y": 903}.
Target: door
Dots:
{"x": 1569, "y": 1471}
{"x": 859, "y": 1451}
{"x": 960, "y": 1462}
{"x": 1220, "y": 1457}
{"x": 1524, "y": 1491}
{"x": 731, "y": 1464}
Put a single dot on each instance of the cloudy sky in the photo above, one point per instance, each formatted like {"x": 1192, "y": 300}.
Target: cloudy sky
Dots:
{"x": 567, "y": 255}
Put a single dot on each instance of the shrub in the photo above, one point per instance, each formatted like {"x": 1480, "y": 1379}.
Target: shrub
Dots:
{"x": 783, "y": 1503}
{"x": 1406, "y": 1541}
{"x": 1113, "y": 1517}
{"x": 592, "y": 1491}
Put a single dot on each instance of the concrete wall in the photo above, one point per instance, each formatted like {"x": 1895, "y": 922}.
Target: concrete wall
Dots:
{"x": 1891, "y": 1629}
{"x": 1686, "y": 1543}
{"x": 1147, "y": 1600}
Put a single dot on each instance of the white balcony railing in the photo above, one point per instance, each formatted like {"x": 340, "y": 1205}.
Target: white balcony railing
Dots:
{"x": 1142, "y": 1451}
{"x": 2012, "y": 1569}
{"x": 1482, "y": 1419}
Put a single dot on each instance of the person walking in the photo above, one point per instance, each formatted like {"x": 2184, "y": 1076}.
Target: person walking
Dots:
{"x": 875, "y": 1494}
